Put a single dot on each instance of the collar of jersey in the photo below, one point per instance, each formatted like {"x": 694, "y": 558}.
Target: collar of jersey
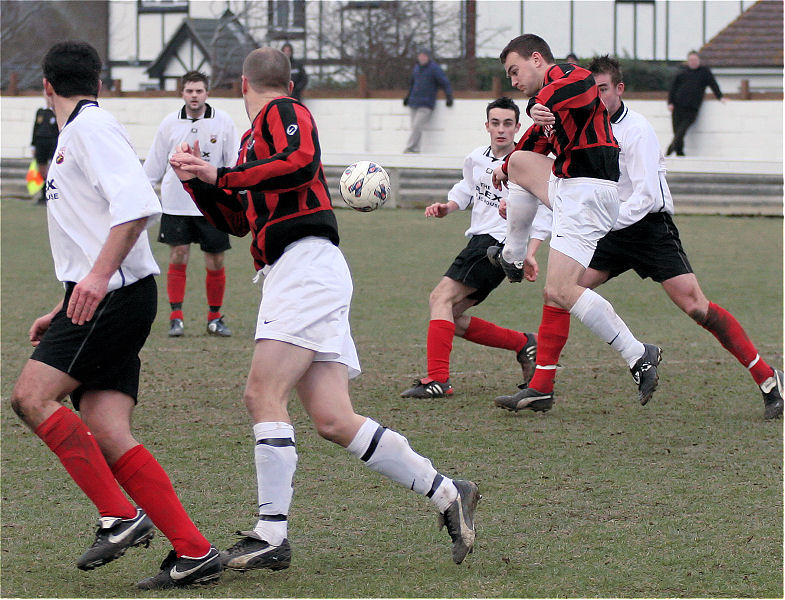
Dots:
{"x": 619, "y": 114}
{"x": 78, "y": 108}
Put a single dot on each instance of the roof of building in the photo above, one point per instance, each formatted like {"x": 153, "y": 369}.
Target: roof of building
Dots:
{"x": 224, "y": 42}
{"x": 754, "y": 39}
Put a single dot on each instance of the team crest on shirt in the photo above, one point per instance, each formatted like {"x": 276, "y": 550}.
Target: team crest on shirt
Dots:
{"x": 60, "y": 156}
{"x": 292, "y": 129}
{"x": 213, "y": 139}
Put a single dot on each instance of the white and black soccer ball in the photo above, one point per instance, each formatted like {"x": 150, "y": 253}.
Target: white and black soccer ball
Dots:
{"x": 365, "y": 186}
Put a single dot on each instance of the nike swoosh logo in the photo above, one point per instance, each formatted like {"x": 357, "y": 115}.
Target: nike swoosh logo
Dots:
{"x": 177, "y": 575}
{"x": 115, "y": 539}
{"x": 266, "y": 322}
{"x": 251, "y": 555}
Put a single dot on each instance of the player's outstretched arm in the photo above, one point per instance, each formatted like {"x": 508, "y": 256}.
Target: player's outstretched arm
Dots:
{"x": 441, "y": 209}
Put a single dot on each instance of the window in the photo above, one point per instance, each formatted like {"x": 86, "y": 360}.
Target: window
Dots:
{"x": 286, "y": 18}
{"x": 148, "y": 6}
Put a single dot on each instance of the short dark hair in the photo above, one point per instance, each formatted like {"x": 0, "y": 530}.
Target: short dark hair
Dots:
{"x": 608, "y": 65}
{"x": 525, "y": 45}
{"x": 194, "y": 76}
{"x": 503, "y": 102}
{"x": 267, "y": 68}
{"x": 73, "y": 68}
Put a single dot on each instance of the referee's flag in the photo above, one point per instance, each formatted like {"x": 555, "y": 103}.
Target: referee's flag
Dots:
{"x": 34, "y": 180}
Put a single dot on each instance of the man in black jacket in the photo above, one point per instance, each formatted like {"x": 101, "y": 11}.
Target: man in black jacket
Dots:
{"x": 686, "y": 96}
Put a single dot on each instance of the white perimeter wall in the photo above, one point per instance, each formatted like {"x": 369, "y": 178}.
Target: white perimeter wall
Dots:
{"x": 738, "y": 130}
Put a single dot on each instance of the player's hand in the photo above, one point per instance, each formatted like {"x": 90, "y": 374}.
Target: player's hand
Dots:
{"x": 530, "y": 269}
{"x": 39, "y": 327}
{"x": 670, "y": 107}
{"x": 542, "y": 115}
{"x": 437, "y": 209}
{"x": 498, "y": 178}
{"x": 187, "y": 163}
{"x": 86, "y": 297}
{"x": 503, "y": 208}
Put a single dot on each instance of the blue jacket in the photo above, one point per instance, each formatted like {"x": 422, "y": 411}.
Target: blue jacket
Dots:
{"x": 425, "y": 82}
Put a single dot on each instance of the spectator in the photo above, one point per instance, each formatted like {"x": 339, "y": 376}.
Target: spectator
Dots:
{"x": 299, "y": 76}
{"x": 686, "y": 96}
{"x": 44, "y": 142}
{"x": 572, "y": 59}
{"x": 427, "y": 77}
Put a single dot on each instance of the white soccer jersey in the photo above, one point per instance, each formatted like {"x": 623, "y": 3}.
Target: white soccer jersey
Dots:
{"x": 642, "y": 187}
{"x": 96, "y": 182}
{"x": 476, "y": 187}
{"x": 218, "y": 141}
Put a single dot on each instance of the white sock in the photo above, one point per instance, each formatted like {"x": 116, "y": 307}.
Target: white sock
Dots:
{"x": 521, "y": 209}
{"x": 598, "y": 315}
{"x": 276, "y": 460}
{"x": 388, "y": 452}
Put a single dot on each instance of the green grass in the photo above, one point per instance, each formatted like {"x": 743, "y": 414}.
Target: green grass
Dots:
{"x": 598, "y": 498}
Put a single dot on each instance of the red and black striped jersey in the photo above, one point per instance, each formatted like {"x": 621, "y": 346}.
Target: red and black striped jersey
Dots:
{"x": 581, "y": 138}
{"x": 277, "y": 190}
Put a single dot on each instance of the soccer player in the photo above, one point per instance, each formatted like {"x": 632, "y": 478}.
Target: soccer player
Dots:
{"x": 567, "y": 112}
{"x": 471, "y": 277}
{"x": 182, "y": 224}
{"x": 99, "y": 203}
{"x": 645, "y": 238}
{"x": 278, "y": 192}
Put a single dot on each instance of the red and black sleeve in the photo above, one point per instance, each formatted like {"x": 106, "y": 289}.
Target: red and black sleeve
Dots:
{"x": 286, "y": 146}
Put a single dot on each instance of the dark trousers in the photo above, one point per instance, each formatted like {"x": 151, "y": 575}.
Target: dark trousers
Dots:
{"x": 681, "y": 117}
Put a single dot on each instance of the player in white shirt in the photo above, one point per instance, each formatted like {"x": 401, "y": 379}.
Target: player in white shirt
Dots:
{"x": 471, "y": 277}
{"x": 99, "y": 203}
{"x": 644, "y": 237}
{"x": 182, "y": 224}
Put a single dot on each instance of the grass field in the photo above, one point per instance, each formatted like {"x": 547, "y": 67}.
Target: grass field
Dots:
{"x": 598, "y": 498}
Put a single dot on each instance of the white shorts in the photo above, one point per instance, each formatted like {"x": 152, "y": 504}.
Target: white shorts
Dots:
{"x": 305, "y": 302}
{"x": 584, "y": 210}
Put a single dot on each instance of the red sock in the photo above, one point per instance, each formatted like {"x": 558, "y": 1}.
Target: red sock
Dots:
{"x": 735, "y": 340}
{"x": 551, "y": 338}
{"x": 149, "y": 486}
{"x": 438, "y": 349}
{"x": 215, "y": 285}
{"x": 68, "y": 437}
{"x": 175, "y": 287}
{"x": 486, "y": 333}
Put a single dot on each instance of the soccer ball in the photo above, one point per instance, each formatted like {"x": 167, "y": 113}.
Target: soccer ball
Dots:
{"x": 365, "y": 186}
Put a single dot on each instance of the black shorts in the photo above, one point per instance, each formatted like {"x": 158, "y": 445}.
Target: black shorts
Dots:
{"x": 103, "y": 354}
{"x": 651, "y": 247}
{"x": 472, "y": 267}
{"x": 179, "y": 230}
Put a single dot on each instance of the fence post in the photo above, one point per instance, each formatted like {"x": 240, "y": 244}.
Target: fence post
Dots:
{"x": 744, "y": 89}
{"x": 13, "y": 84}
{"x": 362, "y": 86}
{"x": 496, "y": 86}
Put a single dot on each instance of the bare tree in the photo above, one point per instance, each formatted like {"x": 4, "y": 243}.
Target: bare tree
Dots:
{"x": 29, "y": 28}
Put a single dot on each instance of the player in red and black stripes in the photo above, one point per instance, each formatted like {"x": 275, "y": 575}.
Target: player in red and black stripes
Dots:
{"x": 278, "y": 193}
{"x": 581, "y": 189}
